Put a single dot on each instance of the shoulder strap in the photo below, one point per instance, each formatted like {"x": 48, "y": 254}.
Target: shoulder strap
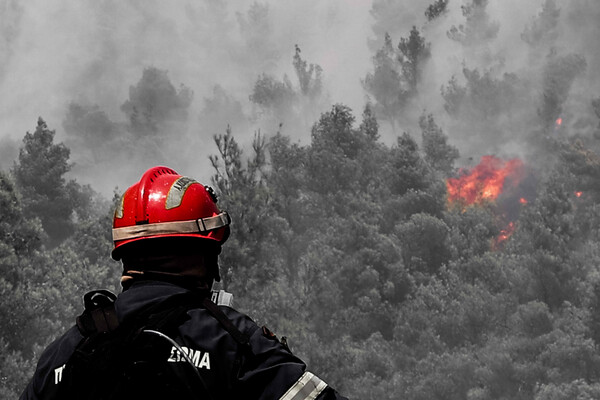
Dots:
{"x": 100, "y": 316}
{"x": 181, "y": 303}
{"x": 216, "y": 312}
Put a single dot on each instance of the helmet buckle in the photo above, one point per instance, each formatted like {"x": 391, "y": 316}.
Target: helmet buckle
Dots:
{"x": 201, "y": 228}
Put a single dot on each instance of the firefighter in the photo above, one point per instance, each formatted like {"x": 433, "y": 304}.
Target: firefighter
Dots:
{"x": 168, "y": 233}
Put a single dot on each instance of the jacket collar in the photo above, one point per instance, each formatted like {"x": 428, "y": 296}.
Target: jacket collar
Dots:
{"x": 142, "y": 294}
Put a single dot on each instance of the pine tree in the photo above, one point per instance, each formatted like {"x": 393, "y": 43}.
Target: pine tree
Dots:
{"x": 385, "y": 83}
{"x": 369, "y": 125}
{"x": 39, "y": 175}
{"x": 542, "y": 31}
{"x": 438, "y": 153}
{"x": 310, "y": 85}
{"x": 414, "y": 52}
{"x": 244, "y": 195}
{"x": 558, "y": 76}
{"x": 478, "y": 28}
{"x": 435, "y": 10}
{"x": 408, "y": 171}
{"x": 89, "y": 127}
{"x": 397, "y": 72}
{"x": 259, "y": 52}
{"x": 154, "y": 102}
{"x": 273, "y": 96}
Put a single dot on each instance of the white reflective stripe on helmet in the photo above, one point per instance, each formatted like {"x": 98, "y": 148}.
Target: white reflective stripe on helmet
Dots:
{"x": 163, "y": 228}
{"x": 308, "y": 387}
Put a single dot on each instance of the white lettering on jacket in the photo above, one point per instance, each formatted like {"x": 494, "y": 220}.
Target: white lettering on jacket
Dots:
{"x": 58, "y": 372}
{"x": 199, "y": 359}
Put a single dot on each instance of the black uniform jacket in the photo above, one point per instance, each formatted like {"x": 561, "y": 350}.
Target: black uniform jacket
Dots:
{"x": 267, "y": 370}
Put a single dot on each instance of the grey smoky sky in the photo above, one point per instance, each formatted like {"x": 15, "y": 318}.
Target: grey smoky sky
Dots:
{"x": 90, "y": 52}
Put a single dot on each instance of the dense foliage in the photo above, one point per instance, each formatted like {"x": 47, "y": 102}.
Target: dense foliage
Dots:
{"x": 345, "y": 244}
{"x": 347, "y": 247}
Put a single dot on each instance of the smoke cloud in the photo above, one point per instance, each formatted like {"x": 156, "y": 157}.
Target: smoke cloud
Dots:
{"x": 77, "y": 63}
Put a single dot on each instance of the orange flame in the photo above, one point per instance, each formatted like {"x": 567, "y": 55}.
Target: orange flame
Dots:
{"x": 558, "y": 121}
{"x": 504, "y": 235}
{"x": 578, "y": 194}
{"x": 485, "y": 181}
{"x": 523, "y": 200}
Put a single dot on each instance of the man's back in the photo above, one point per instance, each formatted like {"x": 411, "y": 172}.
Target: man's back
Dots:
{"x": 262, "y": 369}
{"x": 168, "y": 232}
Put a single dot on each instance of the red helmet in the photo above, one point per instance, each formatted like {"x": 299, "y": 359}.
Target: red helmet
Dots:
{"x": 166, "y": 204}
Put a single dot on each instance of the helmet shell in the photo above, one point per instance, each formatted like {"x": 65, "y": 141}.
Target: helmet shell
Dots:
{"x": 161, "y": 196}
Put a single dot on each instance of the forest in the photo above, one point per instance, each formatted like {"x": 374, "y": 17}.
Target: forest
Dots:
{"x": 406, "y": 252}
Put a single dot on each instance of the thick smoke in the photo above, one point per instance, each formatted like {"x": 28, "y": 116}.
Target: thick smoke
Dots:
{"x": 78, "y": 64}
{"x": 88, "y": 54}
{"x": 508, "y": 71}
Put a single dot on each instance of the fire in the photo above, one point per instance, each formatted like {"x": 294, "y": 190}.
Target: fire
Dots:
{"x": 485, "y": 181}
{"x": 558, "y": 121}
{"x": 578, "y": 194}
{"x": 504, "y": 235}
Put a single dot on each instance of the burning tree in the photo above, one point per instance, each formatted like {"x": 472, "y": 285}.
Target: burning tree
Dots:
{"x": 485, "y": 182}
{"x": 558, "y": 77}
